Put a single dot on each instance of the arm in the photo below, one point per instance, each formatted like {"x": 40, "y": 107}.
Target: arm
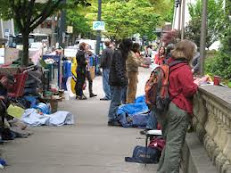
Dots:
{"x": 81, "y": 59}
{"x": 189, "y": 88}
{"x": 103, "y": 59}
{"x": 119, "y": 67}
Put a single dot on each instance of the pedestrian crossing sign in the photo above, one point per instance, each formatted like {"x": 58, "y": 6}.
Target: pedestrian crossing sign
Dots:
{"x": 98, "y": 25}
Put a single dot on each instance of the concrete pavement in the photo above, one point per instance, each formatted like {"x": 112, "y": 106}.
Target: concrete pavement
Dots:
{"x": 89, "y": 146}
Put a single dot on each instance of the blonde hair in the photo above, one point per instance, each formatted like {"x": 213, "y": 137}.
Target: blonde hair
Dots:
{"x": 184, "y": 49}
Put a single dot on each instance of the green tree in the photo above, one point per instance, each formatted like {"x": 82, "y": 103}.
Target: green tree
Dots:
{"x": 221, "y": 63}
{"x": 29, "y": 14}
{"x": 125, "y": 18}
{"x": 214, "y": 22}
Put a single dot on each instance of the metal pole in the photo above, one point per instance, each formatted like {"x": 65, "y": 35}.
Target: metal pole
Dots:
{"x": 183, "y": 19}
{"x": 179, "y": 20}
{"x": 99, "y": 32}
{"x": 62, "y": 28}
{"x": 203, "y": 36}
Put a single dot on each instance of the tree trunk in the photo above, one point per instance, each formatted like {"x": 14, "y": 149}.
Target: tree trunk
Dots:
{"x": 25, "y": 56}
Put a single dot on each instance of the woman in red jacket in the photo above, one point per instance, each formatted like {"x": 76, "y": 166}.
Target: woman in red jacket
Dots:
{"x": 176, "y": 121}
{"x": 159, "y": 57}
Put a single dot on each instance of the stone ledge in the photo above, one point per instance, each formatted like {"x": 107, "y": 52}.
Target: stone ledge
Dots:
{"x": 195, "y": 158}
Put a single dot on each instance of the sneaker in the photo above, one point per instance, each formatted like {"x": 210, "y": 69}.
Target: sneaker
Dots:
{"x": 93, "y": 95}
{"x": 81, "y": 97}
{"x": 104, "y": 99}
{"x": 144, "y": 132}
{"x": 113, "y": 123}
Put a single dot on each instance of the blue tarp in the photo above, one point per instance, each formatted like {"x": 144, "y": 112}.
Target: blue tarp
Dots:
{"x": 135, "y": 114}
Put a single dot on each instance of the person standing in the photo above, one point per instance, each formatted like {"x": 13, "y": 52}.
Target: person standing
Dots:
{"x": 196, "y": 63}
{"x": 105, "y": 64}
{"x": 132, "y": 65}
{"x": 81, "y": 71}
{"x": 176, "y": 120}
{"x": 89, "y": 55}
{"x": 118, "y": 79}
{"x": 160, "y": 56}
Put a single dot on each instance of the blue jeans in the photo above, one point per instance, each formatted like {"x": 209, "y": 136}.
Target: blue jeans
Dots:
{"x": 152, "y": 121}
{"x": 116, "y": 96}
{"x": 106, "y": 86}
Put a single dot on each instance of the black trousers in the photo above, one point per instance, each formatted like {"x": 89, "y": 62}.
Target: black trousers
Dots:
{"x": 90, "y": 82}
{"x": 81, "y": 75}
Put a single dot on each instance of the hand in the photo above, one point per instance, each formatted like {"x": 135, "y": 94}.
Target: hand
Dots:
{"x": 192, "y": 70}
{"x": 2, "y": 97}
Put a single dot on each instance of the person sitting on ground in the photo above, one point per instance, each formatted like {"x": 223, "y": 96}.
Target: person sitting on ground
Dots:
{"x": 176, "y": 120}
{"x": 132, "y": 65}
{"x": 5, "y": 83}
{"x": 160, "y": 56}
{"x": 105, "y": 63}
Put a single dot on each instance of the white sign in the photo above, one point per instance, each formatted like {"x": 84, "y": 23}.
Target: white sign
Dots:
{"x": 69, "y": 29}
{"x": 99, "y": 25}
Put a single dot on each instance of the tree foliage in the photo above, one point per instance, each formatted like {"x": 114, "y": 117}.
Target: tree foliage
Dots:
{"x": 221, "y": 63}
{"x": 214, "y": 21}
{"x": 124, "y": 18}
{"x": 29, "y": 14}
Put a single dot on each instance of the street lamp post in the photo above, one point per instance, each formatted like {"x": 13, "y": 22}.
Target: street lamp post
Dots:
{"x": 99, "y": 32}
{"x": 203, "y": 36}
{"x": 62, "y": 27}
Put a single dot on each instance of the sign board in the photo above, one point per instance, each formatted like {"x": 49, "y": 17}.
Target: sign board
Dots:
{"x": 99, "y": 26}
{"x": 69, "y": 29}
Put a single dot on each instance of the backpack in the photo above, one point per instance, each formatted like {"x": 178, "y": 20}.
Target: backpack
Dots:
{"x": 156, "y": 88}
{"x": 144, "y": 155}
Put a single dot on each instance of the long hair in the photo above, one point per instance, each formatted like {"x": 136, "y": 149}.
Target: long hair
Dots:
{"x": 160, "y": 49}
{"x": 136, "y": 47}
{"x": 125, "y": 46}
{"x": 184, "y": 49}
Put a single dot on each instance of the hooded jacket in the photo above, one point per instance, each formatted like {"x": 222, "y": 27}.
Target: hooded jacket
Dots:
{"x": 181, "y": 86}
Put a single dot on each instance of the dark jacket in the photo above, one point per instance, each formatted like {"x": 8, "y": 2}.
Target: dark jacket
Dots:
{"x": 81, "y": 59}
{"x": 196, "y": 62}
{"x": 117, "y": 76}
{"x": 81, "y": 63}
{"x": 106, "y": 58}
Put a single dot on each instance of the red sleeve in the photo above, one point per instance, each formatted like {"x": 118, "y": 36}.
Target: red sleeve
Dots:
{"x": 186, "y": 80}
{"x": 156, "y": 59}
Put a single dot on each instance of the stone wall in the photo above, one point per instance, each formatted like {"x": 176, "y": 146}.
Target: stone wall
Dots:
{"x": 212, "y": 123}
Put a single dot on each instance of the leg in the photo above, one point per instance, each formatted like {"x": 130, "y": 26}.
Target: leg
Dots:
{"x": 79, "y": 84}
{"x": 132, "y": 87}
{"x": 152, "y": 121}
{"x": 106, "y": 86}
{"x": 176, "y": 128}
{"x": 124, "y": 95}
{"x": 115, "y": 103}
{"x": 90, "y": 82}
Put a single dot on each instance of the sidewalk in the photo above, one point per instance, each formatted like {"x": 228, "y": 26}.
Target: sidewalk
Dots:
{"x": 90, "y": 146}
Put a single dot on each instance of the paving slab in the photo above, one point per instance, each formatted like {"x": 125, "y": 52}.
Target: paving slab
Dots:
{"x": 89, "y": 146}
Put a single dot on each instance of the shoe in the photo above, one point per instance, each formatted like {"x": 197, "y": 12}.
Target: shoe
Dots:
{"x": 104, "y": 99}
{"x": 113, "y": 123}
{"x": 93, "y": 95}
{"x": 144, "y": 132}
{"x": 81, "y": 97}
